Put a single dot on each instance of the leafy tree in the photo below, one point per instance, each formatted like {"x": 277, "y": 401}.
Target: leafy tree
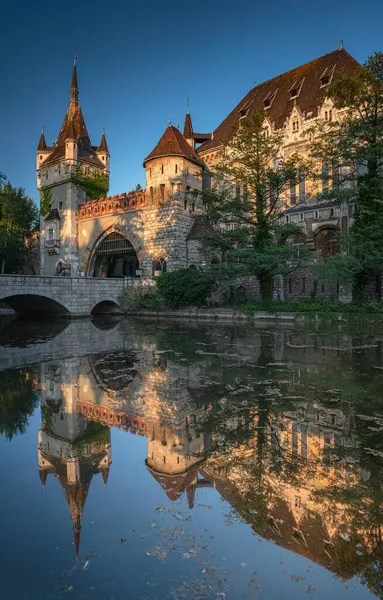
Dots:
{"x": 252, "y": 162}
{"x": 18, "y": 216}
{"x": 184, "y": 287}
{"x": 352, "y": 150}
{"x": 17, "y": 402}
{"x": 95, "y": 186}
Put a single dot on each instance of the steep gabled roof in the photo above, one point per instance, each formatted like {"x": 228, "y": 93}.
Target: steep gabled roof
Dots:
{"x": 175, "y": 485}
{"x": 173, "y": 143}
{"x": 276, "y": 97}
{"x": 201, "y": 229}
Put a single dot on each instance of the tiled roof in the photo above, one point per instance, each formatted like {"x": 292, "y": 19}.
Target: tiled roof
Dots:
{"x": 174, "y": 485}
{"x": 53, "y": 215}
{"x": 277, "y": 92}
{"x": 188, "y": 127}
{"x": 200, "y": 229}
{"x": 42, "y": 143}
{"x": 103, "y": 147}
{"x": 173, "y": 143}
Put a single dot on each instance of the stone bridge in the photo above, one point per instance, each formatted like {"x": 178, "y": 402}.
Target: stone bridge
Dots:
{"x": 61, "y": 296}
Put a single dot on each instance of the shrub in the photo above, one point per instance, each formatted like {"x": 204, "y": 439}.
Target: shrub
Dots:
{"x": 140, "y": 296}
{"x": 185, "y": 287}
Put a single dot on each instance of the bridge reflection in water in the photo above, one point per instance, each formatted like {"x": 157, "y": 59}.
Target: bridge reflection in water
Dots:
{"x": 283, "y": 446}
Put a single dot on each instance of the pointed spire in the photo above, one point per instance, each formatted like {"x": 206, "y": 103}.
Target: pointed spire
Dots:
{"x": 76, "y": 528}
{"x": 74, "y": 85}
{"x": 188, "y": 127}
{"x": 103, "y": 147}
{"x": 105, "y": 474}
{"x": 43, "y": 476}
{"x": 42, "y": 143}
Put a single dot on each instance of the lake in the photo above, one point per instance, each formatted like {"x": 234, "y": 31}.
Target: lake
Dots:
{"x": 159, "y": 460}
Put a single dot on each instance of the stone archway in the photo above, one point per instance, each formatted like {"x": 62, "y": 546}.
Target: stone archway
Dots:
{"x": 112, "y": 253}
{"x": 326, "y": 241}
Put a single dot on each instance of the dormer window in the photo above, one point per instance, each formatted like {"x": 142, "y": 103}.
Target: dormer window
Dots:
{"x": 326, "y": 77}
{"x": 295, "y": 126}
{"x": 296, "y": 88}
{"x": 244, "y": 111}
{"x": 267, "y": 102}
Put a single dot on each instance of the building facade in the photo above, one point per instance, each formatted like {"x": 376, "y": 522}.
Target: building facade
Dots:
{"x": 143, "y": 233}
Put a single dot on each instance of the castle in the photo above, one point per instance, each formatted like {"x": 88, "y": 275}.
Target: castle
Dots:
{"x": 143, "y": 233}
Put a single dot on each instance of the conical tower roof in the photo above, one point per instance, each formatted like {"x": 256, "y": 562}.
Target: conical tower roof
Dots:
{"x": 42, "y": 143}
{"x": 188, "y": 127}
{"x": 103, "y": 147}
{"x": 173, "y": 143}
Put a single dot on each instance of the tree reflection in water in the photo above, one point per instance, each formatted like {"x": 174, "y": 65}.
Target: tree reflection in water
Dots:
{"x": 287, "y": 426}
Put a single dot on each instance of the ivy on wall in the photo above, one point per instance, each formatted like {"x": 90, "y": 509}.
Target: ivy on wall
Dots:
{"x": 45, "y": 201}
{"x": 95, "y": 185}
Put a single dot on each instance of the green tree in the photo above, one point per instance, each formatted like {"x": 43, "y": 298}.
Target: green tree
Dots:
{"x": 254, "y": 179}
{"x": 18, "y": 400}
{"x": 352, "y": 151}
{"x": 18, "y": 216}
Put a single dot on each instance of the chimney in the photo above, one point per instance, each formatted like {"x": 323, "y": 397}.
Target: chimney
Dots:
{"x": 341, "y": 45}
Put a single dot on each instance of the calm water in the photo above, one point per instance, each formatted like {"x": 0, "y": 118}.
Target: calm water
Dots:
{"x": 156, "y": 460}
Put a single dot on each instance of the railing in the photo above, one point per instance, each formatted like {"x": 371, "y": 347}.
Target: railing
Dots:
{"x": 52, "y": 244}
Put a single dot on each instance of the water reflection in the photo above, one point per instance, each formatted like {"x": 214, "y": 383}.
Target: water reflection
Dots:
{"x": 286, "y": 425}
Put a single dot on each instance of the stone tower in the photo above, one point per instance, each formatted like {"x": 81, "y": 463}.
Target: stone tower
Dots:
{"x": 58, "y": 167}
{"x": 173, "y": 172}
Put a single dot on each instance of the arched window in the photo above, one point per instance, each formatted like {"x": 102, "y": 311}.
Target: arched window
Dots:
{"x": 159, "y": 266}
{"x": 193, "y": 267}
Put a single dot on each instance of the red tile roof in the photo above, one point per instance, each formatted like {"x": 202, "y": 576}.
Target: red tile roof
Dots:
{"x": 42, "y": 143}
{"x": 278, "y": 90}
{"x": 174, "y": 485}
{"x": 173, "y": 143}
{"x": 188, "y": 127}
{"x": 103, "y": 147}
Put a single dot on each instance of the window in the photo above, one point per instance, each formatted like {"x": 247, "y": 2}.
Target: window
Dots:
{"x": 164, "y": 460}
{"x": 50, "y": 234}
{"x": 316, "y": 215}
{"x": 325, "y": 80}
{"x": 293, "y": 192}
{"x": 162, "y": 169}
{"x": 245, "y": 192}
{"x": 103, "y": 158}
{"x": 301, "y": 216}
{"x": 176, "y": 169}
{"x": 326, "y": 116}
{"x": 287, "y": 218}
{"x": 322, "y": 288}
{"x": 331, "y": 212}
{"x": 330, "y": 115}
{"x": 60, "y": 205}
{"x": 325, "y": 177}
{"x": 269, "y": 99}
{"x": 162, "y": 191}
{"x": 290, "y": 285}
{"x": 187, "y": 191}
{"x": 193, "y": 207}
{"x": 41, "y": 158}
{"x": 295, "y": 125}
{"x": 185, "y": 204}
{"x": 302, "y": 184}
{"x": 151, "y": 195}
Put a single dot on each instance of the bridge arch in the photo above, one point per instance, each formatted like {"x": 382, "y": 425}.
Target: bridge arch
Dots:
{"x": 90, "y": 263}
{"x": 35, "y": 305}
{"x": 107, "y": 306}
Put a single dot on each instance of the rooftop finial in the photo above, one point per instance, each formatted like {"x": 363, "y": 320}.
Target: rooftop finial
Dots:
{"x": 341, "y": 45}
{"x": 169, "y": 120}
{"x": 103, "y": 130}
{"x": 42, "y": 129}
{"x": 187, "y": 106}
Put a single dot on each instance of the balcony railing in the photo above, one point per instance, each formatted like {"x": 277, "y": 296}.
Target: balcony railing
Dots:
{"x": 52, "y": 243}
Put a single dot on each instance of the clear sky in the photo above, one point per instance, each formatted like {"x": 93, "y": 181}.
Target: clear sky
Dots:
{"x": 139, "y": 61}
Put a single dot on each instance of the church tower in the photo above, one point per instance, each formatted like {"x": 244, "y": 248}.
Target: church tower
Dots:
{"x": 58, "y": 169}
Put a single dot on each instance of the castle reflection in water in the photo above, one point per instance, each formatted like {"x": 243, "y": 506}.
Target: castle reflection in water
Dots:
{"x": 272, "y": 427}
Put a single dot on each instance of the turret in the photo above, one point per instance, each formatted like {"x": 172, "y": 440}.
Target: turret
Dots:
{"x": 173, "y": 170}
{"x": 103, "y": 150}
{"x": 42, "y": 150}
{"x": 71, "y": 146}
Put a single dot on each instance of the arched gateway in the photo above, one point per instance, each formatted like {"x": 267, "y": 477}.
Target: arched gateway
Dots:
{"x": 113, "y": 255}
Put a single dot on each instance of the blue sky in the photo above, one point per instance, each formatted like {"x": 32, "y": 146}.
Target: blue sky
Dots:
{"x": 138, "y": 63}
